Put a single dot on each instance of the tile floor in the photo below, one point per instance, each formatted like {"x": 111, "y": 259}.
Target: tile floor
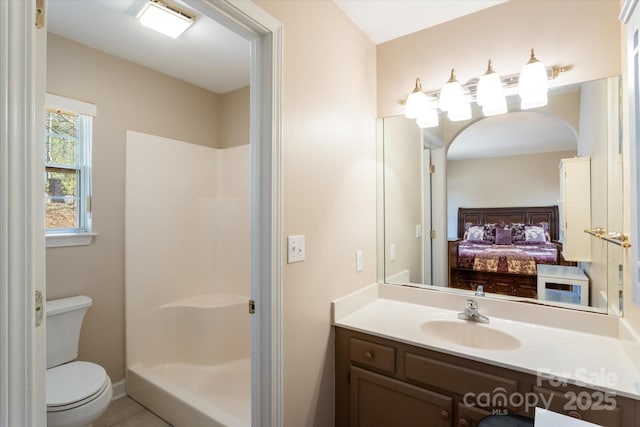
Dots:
{"x": 126, "y": 412}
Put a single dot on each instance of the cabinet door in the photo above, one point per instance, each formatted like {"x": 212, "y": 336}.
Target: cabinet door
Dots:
{"x": 469, "y": 416}
{"x": 379, "y": 401}
{"x": 575, "y": 193}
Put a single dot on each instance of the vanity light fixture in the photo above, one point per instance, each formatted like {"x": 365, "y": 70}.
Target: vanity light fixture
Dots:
{"x": 164, "y": 18}
{"x": 488, "y": 91}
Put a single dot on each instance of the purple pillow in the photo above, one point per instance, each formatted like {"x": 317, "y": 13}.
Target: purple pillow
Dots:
{"x": 490, "y": 233}
{"x": 534, "y": 234}
{"x": 503, "y": 236}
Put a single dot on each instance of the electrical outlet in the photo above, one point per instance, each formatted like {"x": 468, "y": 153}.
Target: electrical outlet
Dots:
{"x": 295, "y": 249}
{"x": 358, "y": 261}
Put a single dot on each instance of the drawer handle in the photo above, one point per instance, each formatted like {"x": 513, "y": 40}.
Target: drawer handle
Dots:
{"x": 369, "y": 355}
{"x": 575, "y": 414}
{"x": 463, "y": 423}
{"x": 444, "y": 414}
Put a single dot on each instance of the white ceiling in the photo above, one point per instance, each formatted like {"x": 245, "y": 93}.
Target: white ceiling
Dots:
{"x": 213, "y": 57}
{"x": 207, "y": 54}
{"x": 384, "y": 20}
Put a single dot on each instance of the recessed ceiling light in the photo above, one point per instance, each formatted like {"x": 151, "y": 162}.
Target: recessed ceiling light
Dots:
{"x": 164, "y": 18}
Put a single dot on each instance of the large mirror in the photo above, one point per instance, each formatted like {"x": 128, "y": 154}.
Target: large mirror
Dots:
{"x": 500, "y": 205}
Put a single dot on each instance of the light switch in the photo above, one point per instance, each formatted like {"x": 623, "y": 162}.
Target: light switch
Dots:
{"x": 418, "y": 231}
{"x": 358, "y": 261}
{"x": 295, "y": 249}
{"x": 392, "y": 252}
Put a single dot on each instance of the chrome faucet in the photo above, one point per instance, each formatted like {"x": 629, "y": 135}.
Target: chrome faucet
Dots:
{"x": 480, "y": 291}
{"x": 471, "y": 313}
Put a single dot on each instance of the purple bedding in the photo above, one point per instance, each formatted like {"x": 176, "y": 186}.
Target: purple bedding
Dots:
{"x": 514, "y": 258}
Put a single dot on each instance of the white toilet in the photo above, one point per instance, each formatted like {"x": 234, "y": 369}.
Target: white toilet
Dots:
{"x": 77, "y": 392}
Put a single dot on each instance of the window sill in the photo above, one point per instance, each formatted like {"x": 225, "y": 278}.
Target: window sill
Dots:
{"x": 69, "y": 239}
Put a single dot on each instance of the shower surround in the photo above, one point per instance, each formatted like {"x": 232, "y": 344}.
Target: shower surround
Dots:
{"x": 187, "y": 281}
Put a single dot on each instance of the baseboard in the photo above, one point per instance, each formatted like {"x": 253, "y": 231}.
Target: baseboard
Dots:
{"x": 119, "y": 390}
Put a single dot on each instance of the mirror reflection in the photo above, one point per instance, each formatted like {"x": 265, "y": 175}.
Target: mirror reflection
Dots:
{"x": 499, "y": 205}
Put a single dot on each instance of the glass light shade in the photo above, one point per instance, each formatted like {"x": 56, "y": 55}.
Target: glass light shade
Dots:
{"x": 459, "y": 112}
{"x": 495, "y": 108}
{"x": 416, "y": 104}
{"x": 489, "y": 91}
{"x": 533, "y": 84}
{"x": 451, "y": 94}
{"x": 161, "y": 18}
{"x": 428, "y": 118}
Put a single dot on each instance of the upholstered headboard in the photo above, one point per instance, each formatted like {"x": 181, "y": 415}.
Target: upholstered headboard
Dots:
{"x": 525, "y": 215}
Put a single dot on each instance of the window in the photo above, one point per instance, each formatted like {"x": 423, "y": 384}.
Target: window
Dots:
{"x": 68, "y": 140}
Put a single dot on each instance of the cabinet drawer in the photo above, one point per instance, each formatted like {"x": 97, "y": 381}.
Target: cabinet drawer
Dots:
{"x": 373, "y": 355}
{"x": 454, "y": 378}
{"x": 588, "y": 405}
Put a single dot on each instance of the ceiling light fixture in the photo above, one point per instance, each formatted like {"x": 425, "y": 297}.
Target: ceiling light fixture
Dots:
{"x": 164, "y": 18}
{"x": 488, "y": 91}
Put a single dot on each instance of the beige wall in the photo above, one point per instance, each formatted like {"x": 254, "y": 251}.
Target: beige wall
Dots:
{"x": 531, "y": 180}
{"x": 234, "y": 118}
{"x": 329, "y": 173}
{"x": 128, "y": 97}
{"x": 583, "y": 34}
{"x": 402, "y": 199}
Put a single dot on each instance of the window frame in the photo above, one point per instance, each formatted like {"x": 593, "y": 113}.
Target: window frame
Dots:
{"x": 82, "y": 234}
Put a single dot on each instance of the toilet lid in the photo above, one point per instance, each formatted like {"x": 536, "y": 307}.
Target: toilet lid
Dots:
{"x": 72, "y": 382}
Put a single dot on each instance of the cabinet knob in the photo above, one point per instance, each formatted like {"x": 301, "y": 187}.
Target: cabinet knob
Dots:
{"x": 463, "y": 423}
{"x": 575, "y": 414}
{"x": 369, "y": 355}
{"x": 444, "y": 414}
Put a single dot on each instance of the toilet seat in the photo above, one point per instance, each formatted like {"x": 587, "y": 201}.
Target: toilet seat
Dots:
{"x": 74, "y": 384}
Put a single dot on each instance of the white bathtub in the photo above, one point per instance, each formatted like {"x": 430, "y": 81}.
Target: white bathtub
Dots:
{"x": 200, "y": 372}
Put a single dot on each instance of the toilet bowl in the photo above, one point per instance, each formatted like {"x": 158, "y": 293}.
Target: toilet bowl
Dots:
{"x": 77, "y": 392}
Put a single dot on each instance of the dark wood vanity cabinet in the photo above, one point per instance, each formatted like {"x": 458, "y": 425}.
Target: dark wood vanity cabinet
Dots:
{"x": 382, "y": 383}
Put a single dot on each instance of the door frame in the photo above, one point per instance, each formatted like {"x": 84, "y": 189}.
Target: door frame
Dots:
{"x": 265, "y": 35}
{"x": 22, "y": 244}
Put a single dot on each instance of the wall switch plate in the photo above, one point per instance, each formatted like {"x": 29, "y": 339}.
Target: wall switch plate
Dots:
{"x": 392, "y": 252}
{"x": 295, "y": 249}
{"x": 418, "y": 231}
{"x": 358, "y": 261}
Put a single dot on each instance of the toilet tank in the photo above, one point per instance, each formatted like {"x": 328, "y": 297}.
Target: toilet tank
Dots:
{"x": 64, "y": 320}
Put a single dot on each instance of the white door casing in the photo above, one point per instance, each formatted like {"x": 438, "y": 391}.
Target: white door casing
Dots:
{"x": 265, "y": 35}
{"x": 22, "y": 244}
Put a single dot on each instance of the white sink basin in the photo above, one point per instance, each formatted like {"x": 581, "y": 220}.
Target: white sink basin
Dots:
{"x": 470, "y": 334}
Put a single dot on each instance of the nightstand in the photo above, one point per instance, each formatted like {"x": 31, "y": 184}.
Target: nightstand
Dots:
{"x": 563, "y": 277}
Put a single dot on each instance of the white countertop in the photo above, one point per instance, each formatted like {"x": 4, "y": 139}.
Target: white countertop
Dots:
{"x": 587, "y": 359}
